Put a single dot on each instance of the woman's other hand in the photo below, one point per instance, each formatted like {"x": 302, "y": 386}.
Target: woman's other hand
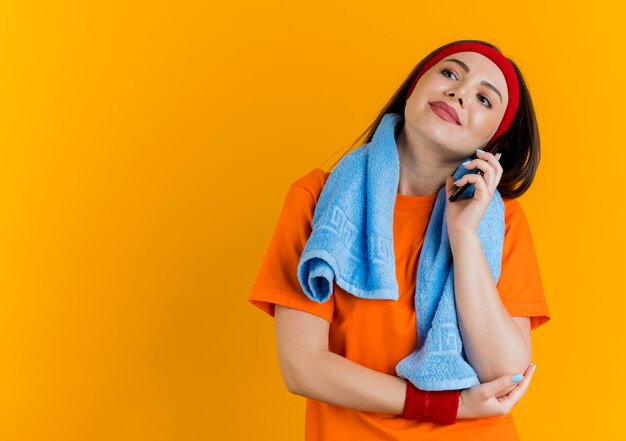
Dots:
{"x": 494, "y": 398}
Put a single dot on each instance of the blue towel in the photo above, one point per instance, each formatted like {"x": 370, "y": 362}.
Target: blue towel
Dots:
{"x": 352, "y": 243}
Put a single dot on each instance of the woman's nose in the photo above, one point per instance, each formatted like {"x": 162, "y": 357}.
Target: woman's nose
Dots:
{"x": 452, "y": 94}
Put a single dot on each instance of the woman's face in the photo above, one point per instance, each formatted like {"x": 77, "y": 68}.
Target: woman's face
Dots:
{"x": 478, "y": 106}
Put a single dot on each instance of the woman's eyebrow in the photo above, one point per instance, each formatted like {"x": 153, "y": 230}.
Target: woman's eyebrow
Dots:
{"x": 467, "y": 69}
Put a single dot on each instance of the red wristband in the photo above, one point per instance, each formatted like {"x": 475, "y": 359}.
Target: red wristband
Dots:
{"x": 439, "y": 407}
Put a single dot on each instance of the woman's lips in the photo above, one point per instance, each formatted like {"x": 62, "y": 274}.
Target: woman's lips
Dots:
{"x": 445, "y": 112}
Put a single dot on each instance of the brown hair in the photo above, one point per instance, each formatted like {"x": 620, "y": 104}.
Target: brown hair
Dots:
{"x": 520, "y": 145}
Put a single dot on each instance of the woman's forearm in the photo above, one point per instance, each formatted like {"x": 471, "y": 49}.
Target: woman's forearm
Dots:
{"x": 494, "y": 344}
{"x": 336, "y": 380}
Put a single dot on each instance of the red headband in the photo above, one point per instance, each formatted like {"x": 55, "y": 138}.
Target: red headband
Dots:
{"x": 501, "y": 61}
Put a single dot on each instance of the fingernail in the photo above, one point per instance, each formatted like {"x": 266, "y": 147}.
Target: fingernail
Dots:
{"x": 499, "y": 155}
{"x": 479, "y": 150}
{"x": 467, "y": 162}
{"x": 534, "y": 367}
{"x": 517, "y": 378}
{"x": 457, "y": 181}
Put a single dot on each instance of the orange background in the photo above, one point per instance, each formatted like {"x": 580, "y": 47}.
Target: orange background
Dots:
{"x": 146, "y": 151}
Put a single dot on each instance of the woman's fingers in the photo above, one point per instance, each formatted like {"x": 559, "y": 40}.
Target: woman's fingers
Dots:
{"x": 477, "y": 180}
{"x": 493, "y": 160}
{"x": 490, "y": 165}
{"x": 489, "y": 174}
{"x": 499, "y": 386}
{"x": 516, "y": 394}
{"x": 505, "y": 391}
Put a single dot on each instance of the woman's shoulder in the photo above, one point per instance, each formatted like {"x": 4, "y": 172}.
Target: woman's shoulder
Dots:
{"x": 512, "y": 206}
{"x": 313, "y": 181}
{"x": 515, "y": 220}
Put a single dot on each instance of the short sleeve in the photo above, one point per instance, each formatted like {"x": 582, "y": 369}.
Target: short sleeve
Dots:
{"x": 520, "y": 286}
{"x": 277, "y": 281}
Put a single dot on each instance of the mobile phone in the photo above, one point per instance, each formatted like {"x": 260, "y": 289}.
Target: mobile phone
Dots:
{"x": 460, "y": 190}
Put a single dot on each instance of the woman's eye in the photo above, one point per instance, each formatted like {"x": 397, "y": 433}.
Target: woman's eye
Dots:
{"x": 487, "y": 100}
{"x": 444, "y": 70}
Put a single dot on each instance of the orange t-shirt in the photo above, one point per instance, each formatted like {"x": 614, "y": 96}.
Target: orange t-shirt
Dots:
{"x": 379, "y": 333}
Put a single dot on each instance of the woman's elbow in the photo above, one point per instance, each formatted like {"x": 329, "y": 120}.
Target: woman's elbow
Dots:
{"x": 299, "y": 337}
{"x": 514, "y": 365}
{"x": 290, "y": 377}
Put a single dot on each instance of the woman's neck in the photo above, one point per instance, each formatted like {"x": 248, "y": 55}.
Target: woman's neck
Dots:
{"x": 422, "y": 171}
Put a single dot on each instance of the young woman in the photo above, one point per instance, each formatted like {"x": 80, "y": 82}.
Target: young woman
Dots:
{"x": 341, "y": 354}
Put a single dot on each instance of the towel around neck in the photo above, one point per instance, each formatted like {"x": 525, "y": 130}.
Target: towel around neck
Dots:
{"x": 351, "y": 244}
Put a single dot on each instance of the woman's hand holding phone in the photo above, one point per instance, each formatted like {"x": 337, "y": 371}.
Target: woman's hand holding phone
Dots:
{"x": 464, "y": 216}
